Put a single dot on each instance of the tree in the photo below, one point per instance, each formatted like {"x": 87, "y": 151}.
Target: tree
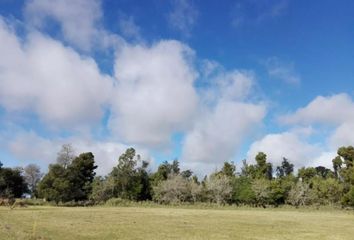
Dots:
{"x": 306, "y": 174}
{"x": 131, "y": 182}
{"x": 186, "y": 173}
{"x": 337, "y": 166}
{"x": 81, "y": 173}
{"x": 285, "y": 169}
{"x": 261, "y": 169}
{"x": 70, "y": 183}
{"x": 12, "y": 183}
{"x": 242, "y": 192}
{"x": 55, "y": 185}
{"x": 164, "y": 170}
{"x": 32, "y": 174}
{"x": 102, "y": 189}
{"x": 219, "y": 188}
{"x": 324, "y": 172}
{"x": 228, "y": 169}
{"x": 66, "y": 155}
{"x": 175, "y": 189}
{"x": 144, "y": 181}
{"x": 261, "y": 189}
{"x": 326, "y": 191}
{"x": 348, "y": 198}
{"x": 300, "y": 194}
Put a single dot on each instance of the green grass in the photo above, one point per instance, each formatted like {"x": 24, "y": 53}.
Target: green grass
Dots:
{"x": 173, "y": 223}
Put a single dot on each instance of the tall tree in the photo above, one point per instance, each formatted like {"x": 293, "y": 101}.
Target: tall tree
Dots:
{"x": 66, "y": 155}
{"x": 55, "y": 185}
{"x": 130, "y": 181}
{"x": 32, "y": 174}
{"x": 228, "y": 169}
{"x": 285, "y": 169}
{"x": 81, "y": 173}
{"x": 12, "y": 183}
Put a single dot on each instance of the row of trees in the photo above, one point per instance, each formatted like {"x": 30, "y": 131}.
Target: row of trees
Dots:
{"x": 73, "y": 178}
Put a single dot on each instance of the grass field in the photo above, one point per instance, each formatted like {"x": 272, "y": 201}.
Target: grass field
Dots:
{"x": 173, "y": 223}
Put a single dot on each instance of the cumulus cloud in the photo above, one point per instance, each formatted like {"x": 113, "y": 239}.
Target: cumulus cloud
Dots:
{"x": 336, "y": 112}
{"x": 335, "y": 109}
{"x": 282, "y": 71}
{"x": 222, "y": 126}
{"x": 155, "y": 96}
{"x": 79, "y": 20}
{"x": 183, "y": 16}
{"x": 343, "y": 135}
{"x": 290, "y": 145}
{"x": 40, "y": 75}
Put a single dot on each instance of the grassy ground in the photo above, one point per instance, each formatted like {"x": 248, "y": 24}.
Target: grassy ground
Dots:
{"x": 173, "y": 223}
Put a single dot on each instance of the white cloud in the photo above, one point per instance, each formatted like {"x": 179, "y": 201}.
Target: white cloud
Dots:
{"x": 335, "y": 109}
{"x": 335, "y": 112}
{"x": 155, "y": 96}
{"x": 282, "y": 71}
{"x": 342, "y": 136}
{"x": 325, "y": 159}
{"x": 79, "y": 20}
{"x": 218, "y": 133}
{"x": 234, "y": 85}
{"x": 183, "y": 16}
{"x": 290, "y": 145}
{"x": 223, "y": 125}
{"x": 40, "y": 75}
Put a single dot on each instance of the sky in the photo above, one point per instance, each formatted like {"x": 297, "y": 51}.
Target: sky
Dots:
{"x": 199, "y": 81}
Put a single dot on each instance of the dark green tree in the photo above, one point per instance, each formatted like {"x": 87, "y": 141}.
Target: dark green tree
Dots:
{"x": 55, "y": 185}
{"x": 131, "y": 182}
{"x": 12, "y": 183}
{"x": 81, "y": 173}
{"x": 285, "y": 169}
{"x": 228, "y": 169}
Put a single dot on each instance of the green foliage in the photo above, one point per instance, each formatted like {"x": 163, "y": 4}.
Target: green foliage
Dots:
{"x": 129, "y": 181}
{"x": 285, "y": 169}
{"x": 262, "y": 191}
{"x": 102, "y": 189}
{"x": 12, "y": 183}
{"x": 69, "y": 183}
{"x": 348, "y": 198}
{"x": 242, "y": 192}
{"x": 74, "y": 183}
{"x": 55, "y": 185}
{"x": 164, "y": 171}
{"x": 326, "y": 191}
{"x": 229, "y": 169}
{"x": 261, "y": 169}
{"x": 306, "y": 174}
{"x": 81, "y": 173}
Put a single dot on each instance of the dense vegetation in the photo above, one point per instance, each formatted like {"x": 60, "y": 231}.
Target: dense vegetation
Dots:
{"x": 73, "y": 179}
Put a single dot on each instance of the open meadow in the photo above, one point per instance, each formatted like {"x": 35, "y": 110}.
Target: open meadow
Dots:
{"x": 173, "y": 223}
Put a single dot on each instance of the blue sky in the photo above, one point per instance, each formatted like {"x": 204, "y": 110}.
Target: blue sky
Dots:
{"x": 200, "y": 81}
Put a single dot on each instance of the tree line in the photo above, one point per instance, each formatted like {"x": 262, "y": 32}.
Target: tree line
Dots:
{"x": 73, "y": 178}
